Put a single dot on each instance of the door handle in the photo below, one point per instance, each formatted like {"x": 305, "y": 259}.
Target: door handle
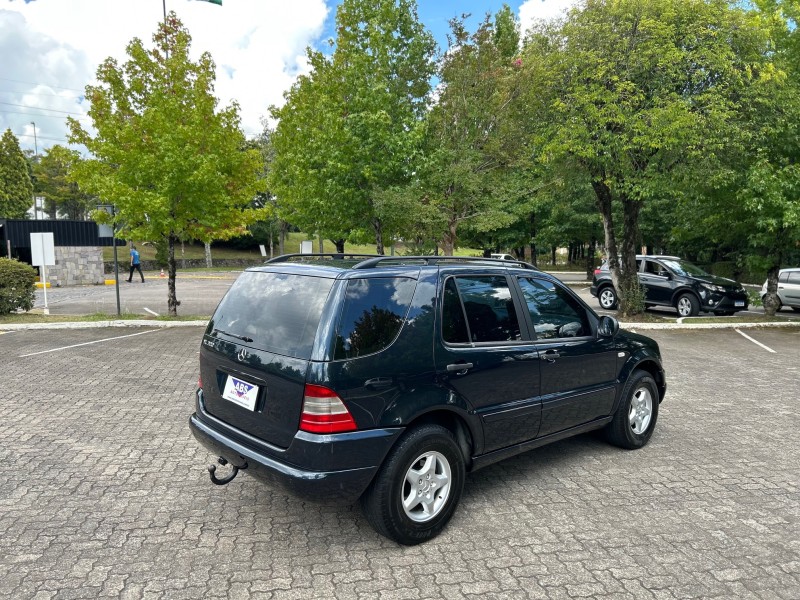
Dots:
{"x": 462, "y": 367}
{"x": 551, "y": 355}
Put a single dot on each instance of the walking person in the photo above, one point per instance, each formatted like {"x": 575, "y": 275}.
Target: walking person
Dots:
{"x": 135, "y": 264}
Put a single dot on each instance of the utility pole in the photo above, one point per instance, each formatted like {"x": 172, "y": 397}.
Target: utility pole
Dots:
{"x": 35, "y": 156}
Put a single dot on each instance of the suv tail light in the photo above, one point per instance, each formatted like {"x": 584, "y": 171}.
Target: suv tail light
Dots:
{"x": 597, "y": 270}
{"x": 324, "y": 412}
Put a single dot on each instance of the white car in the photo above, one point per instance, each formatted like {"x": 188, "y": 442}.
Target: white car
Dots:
{"x": 503, "y": 257}
{"x": 788, "y": 289}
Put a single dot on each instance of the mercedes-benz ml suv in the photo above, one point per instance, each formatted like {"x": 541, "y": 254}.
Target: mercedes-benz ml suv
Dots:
{"x": 672, "y": 281}
{"x": 387, "y": 379}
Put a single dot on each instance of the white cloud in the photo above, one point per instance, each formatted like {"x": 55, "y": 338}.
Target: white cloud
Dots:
{"x": 55, "y": 47}
{"x": 533, "y": 10}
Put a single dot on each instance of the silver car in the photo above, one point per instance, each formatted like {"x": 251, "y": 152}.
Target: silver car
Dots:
{"x": 788, "y": 289}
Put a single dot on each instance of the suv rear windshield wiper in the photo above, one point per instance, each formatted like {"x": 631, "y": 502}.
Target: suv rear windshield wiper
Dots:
{"x": 244, "y": 338}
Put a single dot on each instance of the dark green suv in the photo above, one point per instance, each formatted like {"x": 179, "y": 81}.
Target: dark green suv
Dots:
{"x": 388, "y": 378}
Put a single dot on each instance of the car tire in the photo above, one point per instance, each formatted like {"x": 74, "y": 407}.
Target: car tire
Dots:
{"x": 417, "y": 489}
{"x": 637, "y": 413}
{"x": 607, "y": 297}
{"x": 687, "y": 305}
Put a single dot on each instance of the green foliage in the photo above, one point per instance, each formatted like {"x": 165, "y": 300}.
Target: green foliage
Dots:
{"x": 639, "y": 91}
{"x": 174, "y": 165}
{"x": 53, "y": 183}
{"x": 16, "y": 188}
{"x": 17, "y": 290}
{"x": 350, "y": 129}
{"x": 468, "y": 148}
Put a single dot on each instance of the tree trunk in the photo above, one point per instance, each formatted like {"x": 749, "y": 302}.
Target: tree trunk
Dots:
{"x": 771, "y": 300}
{"x": 282, "y": 238}
{"x": 172, "y": 300}
{"x": 553, "y": 255}
{"x": 209, "y": 264}
{"x": 378, "y": 227}
{"x": 449, "y": 239}
{"x": 631, "y": 299}
{"x": 339, "y": 245}
{"x": 590, "y": 259}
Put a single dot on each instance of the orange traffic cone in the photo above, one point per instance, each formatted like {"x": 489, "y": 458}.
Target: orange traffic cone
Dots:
{"x": 162, "y": 273}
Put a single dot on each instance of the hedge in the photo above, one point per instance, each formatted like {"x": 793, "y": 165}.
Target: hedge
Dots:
{"x": 17, "y": 286}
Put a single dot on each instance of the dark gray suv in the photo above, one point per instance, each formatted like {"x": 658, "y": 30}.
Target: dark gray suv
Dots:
{"x": 386, "y": 379}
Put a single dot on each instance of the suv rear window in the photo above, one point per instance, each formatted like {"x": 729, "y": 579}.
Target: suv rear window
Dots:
{"x": 372, "y": 314}
{"x": 279, "y": 312}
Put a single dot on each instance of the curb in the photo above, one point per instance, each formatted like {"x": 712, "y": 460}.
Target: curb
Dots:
{"x": 101, "y": 324}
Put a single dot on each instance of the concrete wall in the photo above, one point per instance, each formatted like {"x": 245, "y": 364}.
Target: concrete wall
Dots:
{"x": 77, "y": 265}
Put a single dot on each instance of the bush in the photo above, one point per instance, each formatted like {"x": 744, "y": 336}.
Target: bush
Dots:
{"x": 17, "y": 288}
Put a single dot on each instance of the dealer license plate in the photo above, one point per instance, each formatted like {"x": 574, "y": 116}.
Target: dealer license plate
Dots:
{"x": 240, "y": 392}
{"x": 739, "y": 303}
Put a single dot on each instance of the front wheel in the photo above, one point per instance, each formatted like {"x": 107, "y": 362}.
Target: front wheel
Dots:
{"x": 636, "y": 415}
{"x": 687, "y": 305}
{"x": 417, "y": 489}
{"x": 608, "y": 298}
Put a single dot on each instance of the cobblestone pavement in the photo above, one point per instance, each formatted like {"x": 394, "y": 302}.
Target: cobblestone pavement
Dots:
{"x": 104, "y": 493}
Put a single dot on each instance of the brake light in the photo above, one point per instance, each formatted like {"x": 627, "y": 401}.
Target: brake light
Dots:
{"x": 200, "y": 381}
{"x": 597, "y": 271}
{"x": 324, "y": 412}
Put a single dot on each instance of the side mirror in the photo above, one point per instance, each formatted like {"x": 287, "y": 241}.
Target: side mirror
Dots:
{"x": 608, "y": 326}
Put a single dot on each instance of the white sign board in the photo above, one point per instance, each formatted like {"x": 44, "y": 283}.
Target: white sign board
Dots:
{"x": 263, "y": 249}
{"x": 307, "y": 247}
{"x": 42, "y": 249}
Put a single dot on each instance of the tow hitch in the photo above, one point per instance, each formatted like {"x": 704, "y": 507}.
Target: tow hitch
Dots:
{"x": 222, "y": 481}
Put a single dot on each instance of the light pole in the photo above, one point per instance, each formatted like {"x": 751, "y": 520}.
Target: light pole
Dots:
{"x": 35, "y": 156}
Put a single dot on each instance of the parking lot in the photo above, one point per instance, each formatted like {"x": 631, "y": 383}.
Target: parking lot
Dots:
{"x": 103, "y": 491}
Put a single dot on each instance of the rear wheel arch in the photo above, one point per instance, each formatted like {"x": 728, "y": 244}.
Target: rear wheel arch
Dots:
{"x": 465, "y": 437}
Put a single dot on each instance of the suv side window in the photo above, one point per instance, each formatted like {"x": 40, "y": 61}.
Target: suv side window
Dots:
{"x": 554, "y": 313}
{"x": 478, "y": 309}
{"x": 372, "y": 314}
{"x": 793, "y": 278}
{"x": 655, "y": 268}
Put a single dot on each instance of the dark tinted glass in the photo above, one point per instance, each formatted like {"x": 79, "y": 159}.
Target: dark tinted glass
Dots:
{"x": 491, "y": 316}
{"x": 454, "y": 325}
{"x": 372, "y": 315}
{"x": 279, "y": 312}
{"x": 555, "y": 314}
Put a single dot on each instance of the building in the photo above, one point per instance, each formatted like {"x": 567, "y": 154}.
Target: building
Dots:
{"x": 78, "y": 248}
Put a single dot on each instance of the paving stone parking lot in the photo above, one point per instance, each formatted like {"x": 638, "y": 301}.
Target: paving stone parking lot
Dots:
{"x": 104, "y": 493}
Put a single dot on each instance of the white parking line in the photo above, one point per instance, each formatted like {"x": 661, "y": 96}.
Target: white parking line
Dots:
{"x": 152, "y": 312}
{"x": 757, "y": 343}
{"x": 87, "y": 343}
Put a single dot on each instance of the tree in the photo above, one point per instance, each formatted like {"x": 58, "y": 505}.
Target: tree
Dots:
{"x": 175, "y": 167}
{"x": 53, "y": 183}
{"x": 16, "y": 189}
{"x": 350, "y": 129}
{"x": 469, "y": 147}
{"x": 638, "y": 90}
{"x": 769, "y": 185}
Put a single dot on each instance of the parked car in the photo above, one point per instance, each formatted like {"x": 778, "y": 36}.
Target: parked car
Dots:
{"x": 503, "y": 257}
{"x": 387, "y": 379}
{"x": 672, "y": 281}
{"x": 788, "y": 289}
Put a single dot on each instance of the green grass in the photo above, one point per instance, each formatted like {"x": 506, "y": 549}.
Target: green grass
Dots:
{"x": 741, "y": 319}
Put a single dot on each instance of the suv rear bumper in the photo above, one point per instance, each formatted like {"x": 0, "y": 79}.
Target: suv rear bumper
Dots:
{"x": 311, "y": 467}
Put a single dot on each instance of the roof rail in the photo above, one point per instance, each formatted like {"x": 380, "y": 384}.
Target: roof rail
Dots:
{"x": 435, "y": 260}
{"x": 332, "y": 255}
